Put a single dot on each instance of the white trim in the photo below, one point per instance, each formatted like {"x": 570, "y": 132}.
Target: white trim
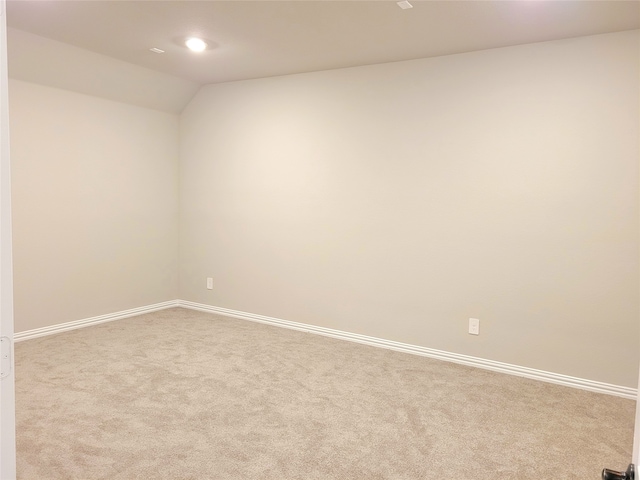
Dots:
{"x": 550, "y": 377}
{"x": 541, "y": 375}
{"x": 87, "y": 322}
{"x": 7, "y": 384}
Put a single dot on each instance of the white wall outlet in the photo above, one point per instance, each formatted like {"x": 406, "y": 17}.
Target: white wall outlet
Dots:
{"x": 209, "y": 283}
{"x": 474, "y": 326}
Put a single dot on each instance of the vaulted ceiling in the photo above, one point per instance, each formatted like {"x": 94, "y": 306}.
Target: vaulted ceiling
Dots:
{"x": 253, "y": 39}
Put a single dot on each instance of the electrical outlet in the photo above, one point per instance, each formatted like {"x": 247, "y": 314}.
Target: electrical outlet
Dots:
{"x": 209, "y": 283}
{"x": 474, "y": 326}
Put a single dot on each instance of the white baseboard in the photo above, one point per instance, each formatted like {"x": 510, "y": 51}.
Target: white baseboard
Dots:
{"x": 550, "y": 377}
{"x": 541, "y": 375}
{"x": 87, "y": 322}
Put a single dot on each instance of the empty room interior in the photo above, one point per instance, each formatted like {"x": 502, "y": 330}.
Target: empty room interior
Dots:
{"x": 347, "y": 240}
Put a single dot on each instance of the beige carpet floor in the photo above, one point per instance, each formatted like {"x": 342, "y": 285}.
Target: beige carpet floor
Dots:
{"x": 180, "y": 394}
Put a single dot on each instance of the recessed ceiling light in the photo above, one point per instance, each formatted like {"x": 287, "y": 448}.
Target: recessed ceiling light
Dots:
{"x": 196, "y": 44}
{"x": 404, "y": 4}
{"x": 156, "y": 50}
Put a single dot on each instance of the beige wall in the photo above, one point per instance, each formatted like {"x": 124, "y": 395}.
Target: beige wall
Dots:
{"x": 94, "y": 205}
{"x": 393, "y": 200}
{"x": 399, "y": 200}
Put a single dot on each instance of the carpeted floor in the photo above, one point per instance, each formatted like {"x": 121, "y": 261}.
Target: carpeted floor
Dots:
{"x": 180, "y": 394}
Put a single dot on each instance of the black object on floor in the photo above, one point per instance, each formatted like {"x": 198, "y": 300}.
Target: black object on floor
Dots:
{"x": 630, "y": 474}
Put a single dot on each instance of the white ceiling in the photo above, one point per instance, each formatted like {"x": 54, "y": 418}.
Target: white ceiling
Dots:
{"x": 265, "y": 38}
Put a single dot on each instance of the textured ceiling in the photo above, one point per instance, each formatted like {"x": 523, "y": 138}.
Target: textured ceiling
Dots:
{"x": 267, "y": 38}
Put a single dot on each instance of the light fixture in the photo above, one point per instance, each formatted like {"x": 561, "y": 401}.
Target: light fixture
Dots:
{"x": 196, "y": 44}
{"x": 156, "y": 50}
{"x": 404, "y": 4}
